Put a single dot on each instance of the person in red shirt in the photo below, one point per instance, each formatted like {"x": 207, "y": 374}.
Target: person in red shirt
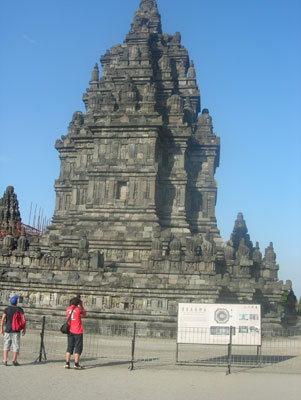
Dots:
{"x": 75, "y": 335}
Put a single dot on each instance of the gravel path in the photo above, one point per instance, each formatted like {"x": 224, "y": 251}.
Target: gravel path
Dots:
{"x": 114, "y": 381}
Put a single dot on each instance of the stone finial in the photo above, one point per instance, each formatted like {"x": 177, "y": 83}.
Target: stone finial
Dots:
{"x": 188, "y": 111}
{"x": 269, "y": 255}
{"x": 191, "y": 71}
{"x": 240, "y": 231}
{"x": 22, "y": 241}
{"x": 95, "y": 74}
{"x": 228, "y": 250}
{"x": 77, "y": 119}
{"x": 207, "y": 246}
{"x": 175, "y": 245}
{"x": 9, "y": 190}
{"x": 191, "y": 248}
{"x": 187, "y": 102}
{"x": 147, "y": 19}
{"x": 76, "y": 123}
{"x": 243, "y": 251}
{"x": 148, "y": 5}
{"x": 9, "y": 208}
{"x": 175, "y": 104}
{"x": 205, "y": 119}
{"x": 257, "y": 256}
{"x": 204, "y": 125}
{"x": 175, "y": 249}
{"x": 8, "y": 241}
{"x": 176, "y": 38}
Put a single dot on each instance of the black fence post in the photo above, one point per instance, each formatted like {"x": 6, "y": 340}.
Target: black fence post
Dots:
{"x": 259, "y": 356}
{"x": 230, "y": 352}
{"x": 133, "y": 348}
{"x": 42, "y": 345}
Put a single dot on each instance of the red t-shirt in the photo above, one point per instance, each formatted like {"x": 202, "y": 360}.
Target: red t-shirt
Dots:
{"x": 75, "y": 323}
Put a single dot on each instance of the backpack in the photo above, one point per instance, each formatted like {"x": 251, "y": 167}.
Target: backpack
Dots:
{"x": 17, "y": 323}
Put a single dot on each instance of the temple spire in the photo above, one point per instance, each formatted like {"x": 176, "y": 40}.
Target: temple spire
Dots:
{"x": 148, "y": 5}
{"x": 147, "y": 18}
{"x": 240, "y": 231}
{"x": 94, "y": 76}
{"x": 95, "y": 73}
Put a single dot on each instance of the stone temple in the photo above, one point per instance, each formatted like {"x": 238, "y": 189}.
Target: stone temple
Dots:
{"x": 134, "y": 228}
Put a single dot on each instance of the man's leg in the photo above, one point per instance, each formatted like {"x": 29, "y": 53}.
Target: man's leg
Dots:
{"x": 78, "y": 350}
{"x": 6, "y": 346}
{"x": 70, "y": 348}
{"x": 5, "y": 354}
{"x": 68, "y": 356}
{"x": 15, "y": 346}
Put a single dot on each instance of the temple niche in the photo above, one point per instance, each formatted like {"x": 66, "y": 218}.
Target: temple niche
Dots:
{"x": 135, "y": 198}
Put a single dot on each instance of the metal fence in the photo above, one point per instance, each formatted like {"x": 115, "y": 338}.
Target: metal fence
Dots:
{"x": 131, "y": 346}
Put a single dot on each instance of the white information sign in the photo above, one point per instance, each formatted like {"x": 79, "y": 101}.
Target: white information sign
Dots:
{"x": 210, "y": 323}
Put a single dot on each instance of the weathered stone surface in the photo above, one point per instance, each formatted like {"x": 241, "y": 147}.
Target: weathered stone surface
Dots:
{"x": 134, "y": 228}
{"x": 9, "y": 211}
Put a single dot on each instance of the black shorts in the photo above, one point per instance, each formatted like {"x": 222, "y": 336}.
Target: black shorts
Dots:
{"x": 75, "y": 343}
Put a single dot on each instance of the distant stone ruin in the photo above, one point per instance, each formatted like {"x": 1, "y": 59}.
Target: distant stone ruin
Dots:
{"x": 10, "y": 218}
{"x": 134, "y": 228}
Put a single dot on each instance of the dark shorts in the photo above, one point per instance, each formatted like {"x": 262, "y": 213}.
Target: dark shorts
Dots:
{"x": 75, "y": 343}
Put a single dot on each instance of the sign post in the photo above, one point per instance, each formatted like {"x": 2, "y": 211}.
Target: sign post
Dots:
{"x": 219, "y": 324}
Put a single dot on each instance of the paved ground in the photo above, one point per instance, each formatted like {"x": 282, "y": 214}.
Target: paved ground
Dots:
{"x": 155, "y": 377}
{"x": 114, "y": 381}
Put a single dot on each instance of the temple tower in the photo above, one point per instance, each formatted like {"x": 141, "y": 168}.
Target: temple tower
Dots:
{"x": 9, "y": 212}
{"x": 134, "y": 228}
{"x": 141, "y": 160}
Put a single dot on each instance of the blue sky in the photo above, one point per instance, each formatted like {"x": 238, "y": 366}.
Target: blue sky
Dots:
{"x": 247, "y": 55}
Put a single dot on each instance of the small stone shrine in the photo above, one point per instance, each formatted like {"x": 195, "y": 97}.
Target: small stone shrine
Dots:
{"x": 134, "y": 228}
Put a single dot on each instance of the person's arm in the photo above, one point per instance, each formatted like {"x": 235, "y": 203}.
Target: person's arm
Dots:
{"x": 24, "y": 330}
{"x": 81, "y": 309}
{"x": 1, "y": 324}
